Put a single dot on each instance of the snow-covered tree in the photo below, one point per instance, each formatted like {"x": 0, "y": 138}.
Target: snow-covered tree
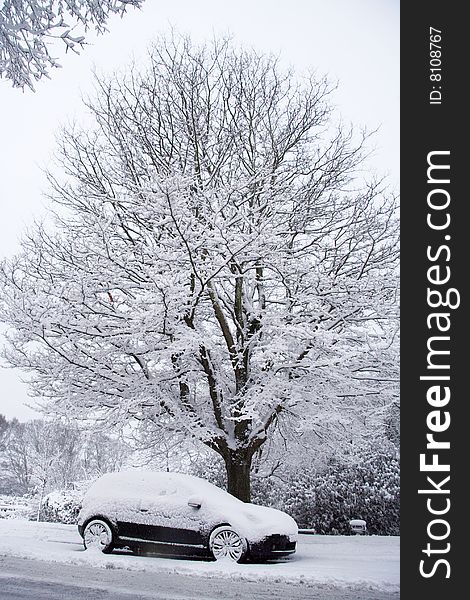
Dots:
{"x": 40, "y": 455}
{"x": 3, "y": 429}
{"x": 14, "y": 464}
{"x": 46, "y": 455}
{"x": 218, "y": 260}
{"x": 52, "y": 451}
{"x": 100, "y": 454}
{"x": 28, "y": 27}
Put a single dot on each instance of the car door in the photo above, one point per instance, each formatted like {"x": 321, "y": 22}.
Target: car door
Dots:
{"x": 170, "y": 521}
{"x": 141, "y": 518}
{"x": 131, "y": 525}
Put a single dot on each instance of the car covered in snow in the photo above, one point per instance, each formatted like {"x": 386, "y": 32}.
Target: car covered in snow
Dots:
{"x": 175, "y": 513}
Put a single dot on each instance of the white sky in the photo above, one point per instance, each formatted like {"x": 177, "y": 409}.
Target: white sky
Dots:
{"x": 354, "y": 41}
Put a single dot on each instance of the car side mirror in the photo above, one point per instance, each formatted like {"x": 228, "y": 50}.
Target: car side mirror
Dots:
{"x": 195, "y": 502}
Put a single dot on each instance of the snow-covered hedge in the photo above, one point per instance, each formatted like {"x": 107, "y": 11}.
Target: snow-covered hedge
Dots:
{"x": 367, "y": 486}
{"x": 61, "y": 506}
{"x": 364, "y": 485}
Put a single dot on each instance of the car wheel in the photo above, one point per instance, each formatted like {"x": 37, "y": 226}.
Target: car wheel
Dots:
{"x": 98, "y": 534}
{"x": 225, "y": 542}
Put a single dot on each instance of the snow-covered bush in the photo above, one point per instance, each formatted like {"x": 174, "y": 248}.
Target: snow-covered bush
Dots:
{"x": 364, "y": 486}
{"x": 61, "y": 506}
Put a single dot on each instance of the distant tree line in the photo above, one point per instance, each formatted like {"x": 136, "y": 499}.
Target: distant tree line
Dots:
{"x": 39, "y": 456}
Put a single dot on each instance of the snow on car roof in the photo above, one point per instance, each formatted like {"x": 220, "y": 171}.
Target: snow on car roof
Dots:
{"x": 122, "y": 483}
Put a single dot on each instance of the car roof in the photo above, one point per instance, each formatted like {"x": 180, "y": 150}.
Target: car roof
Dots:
{"x": 124, "y": 482}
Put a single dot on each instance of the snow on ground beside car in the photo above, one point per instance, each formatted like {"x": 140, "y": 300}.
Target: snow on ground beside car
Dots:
{"x": 356, "y": 561}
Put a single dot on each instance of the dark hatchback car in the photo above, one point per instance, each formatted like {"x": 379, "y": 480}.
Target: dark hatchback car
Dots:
{"x": 183, "y": 515}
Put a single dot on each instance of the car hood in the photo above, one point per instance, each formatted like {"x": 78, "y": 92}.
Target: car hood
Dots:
{"x": 256, "y": 522}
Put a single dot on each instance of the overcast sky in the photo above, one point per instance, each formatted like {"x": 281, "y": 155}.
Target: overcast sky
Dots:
{"x": 354, "y": 41}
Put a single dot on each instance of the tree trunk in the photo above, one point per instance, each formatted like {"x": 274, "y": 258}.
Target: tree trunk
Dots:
{"x": 238, "y": 466}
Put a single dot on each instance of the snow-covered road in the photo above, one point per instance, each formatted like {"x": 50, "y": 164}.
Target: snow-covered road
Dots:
{"x": 27, "y": 579}
{"x": 342, "y": 567}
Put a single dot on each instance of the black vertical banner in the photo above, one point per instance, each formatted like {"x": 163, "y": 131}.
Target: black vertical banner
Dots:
{"x": 435, "y": 268}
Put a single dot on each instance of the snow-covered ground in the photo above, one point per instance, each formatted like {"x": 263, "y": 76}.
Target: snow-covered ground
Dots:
{"x": 370, "y": 562}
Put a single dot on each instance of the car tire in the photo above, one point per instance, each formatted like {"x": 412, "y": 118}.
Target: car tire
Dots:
{"x": 226, "y": 543}
{"x": 98, "y": 534}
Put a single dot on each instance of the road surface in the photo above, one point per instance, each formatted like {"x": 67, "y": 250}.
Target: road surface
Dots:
{"x": 25, "y": 579}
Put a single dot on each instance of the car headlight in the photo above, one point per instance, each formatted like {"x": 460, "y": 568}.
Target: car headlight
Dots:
{"x": 293, "y": 538}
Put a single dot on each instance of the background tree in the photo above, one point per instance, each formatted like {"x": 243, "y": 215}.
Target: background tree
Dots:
{"x": 15, "y": 471}
{"x": 3, "y": 430}
{"x": 28, "y": 27}
{"x": 218, "y": 264}
{"x": 101, "y": 454}
{"x": 40, "y": 455}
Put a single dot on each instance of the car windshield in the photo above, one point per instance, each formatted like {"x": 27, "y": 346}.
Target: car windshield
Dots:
{"x": 194, "y": 486}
